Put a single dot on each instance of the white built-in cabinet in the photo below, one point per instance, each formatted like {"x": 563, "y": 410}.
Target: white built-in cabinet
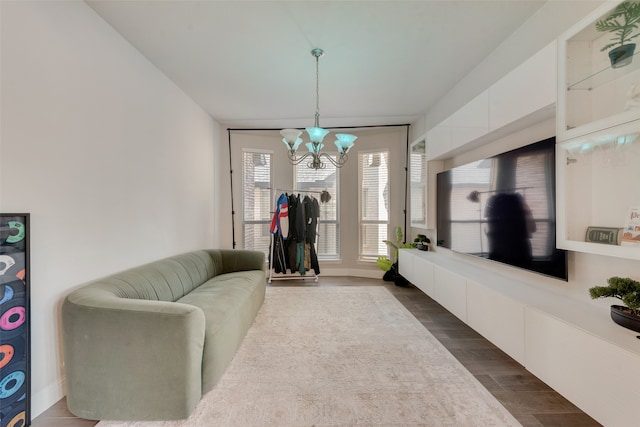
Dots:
{"x": 506, "y": 106}
{"x": 598, "y": 144}
{"x": 568, "y": 344}
{"x": 503, "y": 108}
{"x": 591, "y": 361}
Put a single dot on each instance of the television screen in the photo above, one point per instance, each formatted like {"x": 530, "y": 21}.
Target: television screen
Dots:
{"x": 503, "y": 209}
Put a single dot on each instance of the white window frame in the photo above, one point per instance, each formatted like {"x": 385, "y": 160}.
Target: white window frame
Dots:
{"x": 267, "y": 221}
{"x": 336, "y": 197}
{"x": 361, "y": 221}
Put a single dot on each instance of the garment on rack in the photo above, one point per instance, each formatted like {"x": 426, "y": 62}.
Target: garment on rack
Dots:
{"x": 313, "y": 257}
{"x": 293, "y": 215}
{"x": 311, "y": 213}
{"x": 307, "y": 256}
{"x": 292, "y": 252}
{"x": 300, "y": 258}
{"x": 300, "y": 225}
{"x": 280, "y": 220}
{"x": 279, "y": 261}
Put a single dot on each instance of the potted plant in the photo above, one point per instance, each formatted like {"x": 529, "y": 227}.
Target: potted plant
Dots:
{"x": 390, "y": 265}
{"x": 623, "y": 21}
{"x": 421, "y": 242}
{"x": 628, "y": 291}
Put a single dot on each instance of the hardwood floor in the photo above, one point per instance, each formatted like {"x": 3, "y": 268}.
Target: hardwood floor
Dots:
{"x": 531, "y": 401}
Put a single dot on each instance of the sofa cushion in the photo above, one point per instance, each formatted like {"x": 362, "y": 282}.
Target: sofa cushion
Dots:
{"x": 164, "y": 280}
{"x": 229, "y": 302}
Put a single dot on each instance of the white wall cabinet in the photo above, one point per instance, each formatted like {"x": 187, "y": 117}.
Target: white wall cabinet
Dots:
{"x": 439, "y": 139}
{"x": 598, "y": 151}
{"x": 598, "y": 176}
{"x": 512, "y": 96}
{"x": 569, "y": 345}
{"x": 503, "y": 104}
{"x": 593, "y": 94}
{"x": 471, "y": 121}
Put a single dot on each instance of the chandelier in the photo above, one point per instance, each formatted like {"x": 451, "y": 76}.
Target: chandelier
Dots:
{"x": 291, "y": 137}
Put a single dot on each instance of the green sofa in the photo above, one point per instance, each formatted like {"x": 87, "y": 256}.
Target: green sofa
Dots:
{"x": 147, "y": 343}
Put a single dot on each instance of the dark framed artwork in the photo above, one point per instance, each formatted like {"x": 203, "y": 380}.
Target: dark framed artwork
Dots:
{"x": 15, "y": 360}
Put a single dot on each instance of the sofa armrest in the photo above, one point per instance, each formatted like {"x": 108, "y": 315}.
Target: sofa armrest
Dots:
{"x": 131, "y": 359}
{"x": 241, "y": 260}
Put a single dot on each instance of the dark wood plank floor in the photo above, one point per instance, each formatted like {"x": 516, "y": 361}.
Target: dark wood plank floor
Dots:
{"x": 531, "y": 401}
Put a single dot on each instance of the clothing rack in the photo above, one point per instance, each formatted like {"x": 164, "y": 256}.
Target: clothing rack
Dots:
{"x": 284, "y": 276}
{"x": 289, "y": 190}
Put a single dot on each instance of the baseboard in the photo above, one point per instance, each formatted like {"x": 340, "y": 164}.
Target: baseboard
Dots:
{"x": 351, "y": 272}
{"x": 47, "y": 397}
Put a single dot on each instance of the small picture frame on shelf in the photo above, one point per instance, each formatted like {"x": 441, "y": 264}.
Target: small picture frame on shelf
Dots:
{"x": 631, "y": 232}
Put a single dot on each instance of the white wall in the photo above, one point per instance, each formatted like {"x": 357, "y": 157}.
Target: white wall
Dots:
{"x": 112, "y": 160}
{"x": 392, "y": 138}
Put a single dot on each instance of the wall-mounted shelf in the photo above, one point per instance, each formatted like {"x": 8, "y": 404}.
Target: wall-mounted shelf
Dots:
{"x": 598, "y": 139}
{"x": 598, "y": 182}
{"x": 592, "y": 94}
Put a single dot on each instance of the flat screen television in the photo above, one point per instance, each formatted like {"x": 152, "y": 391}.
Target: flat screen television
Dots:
{"x": 503, "y": 208}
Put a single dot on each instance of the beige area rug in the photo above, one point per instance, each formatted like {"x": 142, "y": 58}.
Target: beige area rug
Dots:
{"x": 341, "y": 356}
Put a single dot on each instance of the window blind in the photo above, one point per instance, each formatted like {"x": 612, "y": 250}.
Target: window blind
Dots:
{"x": 256, "y": 197}
{"x": 327, "y": 179}
{"x": 373, "y": 192}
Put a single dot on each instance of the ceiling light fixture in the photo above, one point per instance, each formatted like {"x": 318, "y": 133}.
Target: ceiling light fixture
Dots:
{"x": 291, "y": 137}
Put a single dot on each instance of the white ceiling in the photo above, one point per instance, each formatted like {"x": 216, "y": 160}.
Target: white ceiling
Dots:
{"x": 248, "y": 63}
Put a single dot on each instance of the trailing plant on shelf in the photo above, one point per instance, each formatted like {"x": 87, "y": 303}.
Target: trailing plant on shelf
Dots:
{"x": 623, "y": 21}
{"x": 628, "y": 291}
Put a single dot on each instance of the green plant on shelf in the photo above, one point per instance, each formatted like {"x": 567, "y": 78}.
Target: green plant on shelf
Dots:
{"x": 625, "y": 289}
{"x": 623, "y": 22}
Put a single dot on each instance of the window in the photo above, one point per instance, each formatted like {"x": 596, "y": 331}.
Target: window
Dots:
{"x": 373, "y": 190}
{"x": 467, "y": 224}
{"x": 418, "y": 183}
{"x": 328, "y": 242}
{"x": 256, "y": 196}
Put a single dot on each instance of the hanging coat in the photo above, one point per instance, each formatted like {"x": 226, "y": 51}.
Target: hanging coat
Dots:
{"x": 280, "y": 220}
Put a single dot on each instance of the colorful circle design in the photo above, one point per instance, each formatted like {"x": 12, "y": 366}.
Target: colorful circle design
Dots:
{"x": 8, "y": 294}
{"x": 13, "y": 385}
{"x": 13, "y": 417}
{"x": 19, "y": 236}
{"x": 6, "y": 354}
{"x": 19, "y": 420}
{"x": 13, "y": 318}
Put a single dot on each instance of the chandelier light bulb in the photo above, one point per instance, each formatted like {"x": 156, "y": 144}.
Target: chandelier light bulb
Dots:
{"x": 344, "y": 142}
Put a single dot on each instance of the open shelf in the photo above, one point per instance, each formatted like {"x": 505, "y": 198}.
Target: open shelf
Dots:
{"x": 592, "y": 93}
{"x": 598, "y": 177}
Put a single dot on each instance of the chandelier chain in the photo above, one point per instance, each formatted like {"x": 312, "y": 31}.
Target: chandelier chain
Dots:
{"x": 317, "y": 121}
